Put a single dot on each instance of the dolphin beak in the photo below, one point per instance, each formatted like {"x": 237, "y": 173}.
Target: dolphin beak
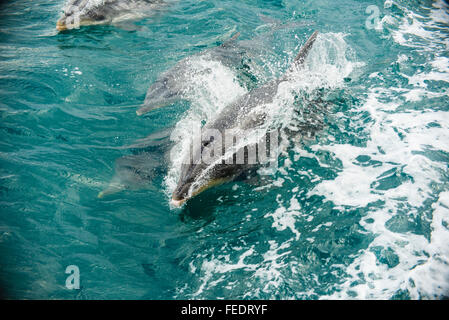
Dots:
{"x": 111, "y": 189}
{"x": 180, "y": 202}
{"x": 146, "y": 109}
{"x": 101, "y": 195}
{"x": 60, "y": 25}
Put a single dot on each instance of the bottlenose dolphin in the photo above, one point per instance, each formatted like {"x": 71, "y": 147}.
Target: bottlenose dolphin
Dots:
{"x": 242, "y": 114}
{"x": 78, "y": 13}
{"x": 175, "y": 84}
{"x": 138, "y": 170}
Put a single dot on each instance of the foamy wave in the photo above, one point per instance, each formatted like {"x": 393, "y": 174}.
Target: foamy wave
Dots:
{"x": 356, "y": 185}
{"x": 426, "y": 31}
{"x": 397, "y": 170}
{"x": 396, "y": 261}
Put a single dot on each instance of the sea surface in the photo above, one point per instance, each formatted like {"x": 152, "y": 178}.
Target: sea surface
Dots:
{"x": 357, "y": 210}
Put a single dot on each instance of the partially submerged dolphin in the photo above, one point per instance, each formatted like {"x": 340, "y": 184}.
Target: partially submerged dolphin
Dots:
{"x": 175, "y": 84}
{"x": 133, "y": 172}
{"x": 242, "y": 114}
{"x": 138, "y": 170}
{"x": 92, "y": 12}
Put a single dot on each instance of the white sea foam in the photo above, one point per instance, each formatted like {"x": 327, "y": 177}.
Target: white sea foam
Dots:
{"x": 422, "y": 267}
{"x": 439, "y": 13}
{"x": 413, "y": 264}
{"x": 284, "y": 218}
{"x": 413, "y": 26}
{"x": 268, "y": 272}
{"x": 355, "y": 186}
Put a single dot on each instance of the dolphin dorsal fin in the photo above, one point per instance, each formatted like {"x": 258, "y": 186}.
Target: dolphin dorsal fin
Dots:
{"x": 230, "y": 40}
{"x": 302, "y": 54}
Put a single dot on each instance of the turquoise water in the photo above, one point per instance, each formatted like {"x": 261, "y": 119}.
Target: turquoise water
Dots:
{"x": 360, "y": 210}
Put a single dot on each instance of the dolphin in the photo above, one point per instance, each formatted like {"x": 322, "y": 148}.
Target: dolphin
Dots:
{"x": 139, "y": 169}
{"x": 78, "y": 13}
{"x": 132, "y": 172}
{"x": 242, "y": 114}
{"x": 175, "y": 84}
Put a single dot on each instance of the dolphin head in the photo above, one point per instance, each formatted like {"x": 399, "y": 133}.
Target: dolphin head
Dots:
{"x": 163, "y": 92}
{"x": 212, "y": 163}
{"x": 200, "y": 177}
{"x": 81, "y": 13}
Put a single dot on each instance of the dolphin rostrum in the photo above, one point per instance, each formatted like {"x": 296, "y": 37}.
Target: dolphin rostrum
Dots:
{"x": 78, "y": 13}
{"x": 240, "y": 115}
